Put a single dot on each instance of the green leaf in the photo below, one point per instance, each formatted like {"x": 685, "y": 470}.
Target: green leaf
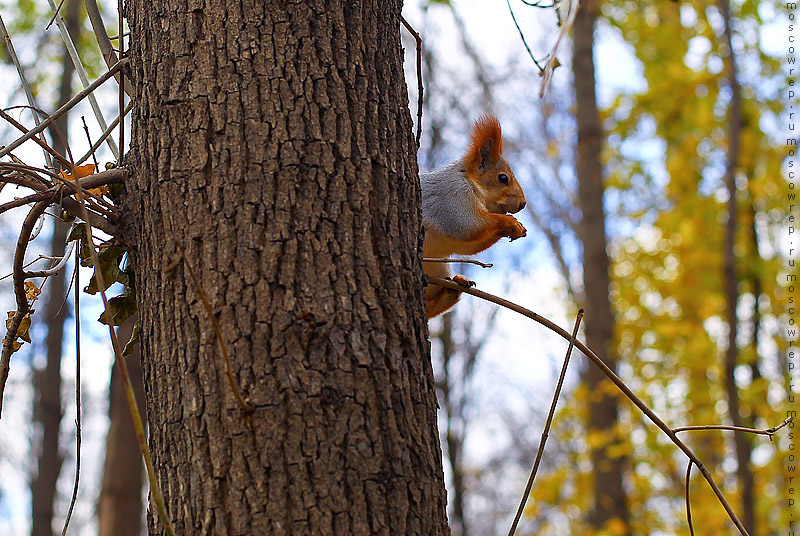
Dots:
{"x": 78, "y": 232}
{"x": 109, "y": 260}
{"x": 120, "y": 308}
{"x": 130, "y": 346}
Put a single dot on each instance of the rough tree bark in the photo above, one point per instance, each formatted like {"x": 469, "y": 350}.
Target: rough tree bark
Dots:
{"x": 272, "y": 144}
{"x": 119, "y": 509}
{"x": 47, "y": 409}
{"x": 609, "y": 492}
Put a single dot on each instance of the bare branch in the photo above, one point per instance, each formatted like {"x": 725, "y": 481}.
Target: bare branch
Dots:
{"x": 81, "y": 70}
{"x": 611, "y": 376}
{"x": 688, "y": 504}
{"x": 64, "y": 109}
{"x": 23, "y": 80}
{"x": 547, "y": 424}
{"x": 105, "y": 135}
{"x": 77, "y": 392}
{"x": 19, "y": 293}
{"x": 465, "y": 261}
{"x": 767, "y": 432}
{"x": 40, "y": 142}
{"x": 156, "y": 496}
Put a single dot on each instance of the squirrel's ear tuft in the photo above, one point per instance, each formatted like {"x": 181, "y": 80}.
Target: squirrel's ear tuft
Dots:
{"x": 486, "y": 143}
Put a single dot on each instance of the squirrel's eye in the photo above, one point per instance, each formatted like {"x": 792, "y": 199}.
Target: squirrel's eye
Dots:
{"x": 503, "y": 178}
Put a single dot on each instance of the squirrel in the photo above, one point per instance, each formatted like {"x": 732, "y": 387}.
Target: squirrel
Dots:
{"x": 465, "y": 208}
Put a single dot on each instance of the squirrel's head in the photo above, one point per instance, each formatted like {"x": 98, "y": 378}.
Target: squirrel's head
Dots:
{"x": 490, "y": 175}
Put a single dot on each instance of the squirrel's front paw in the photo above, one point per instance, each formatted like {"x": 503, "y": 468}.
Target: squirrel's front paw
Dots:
{"x": 463, "y": 281}
{"x": 516, "y": 230}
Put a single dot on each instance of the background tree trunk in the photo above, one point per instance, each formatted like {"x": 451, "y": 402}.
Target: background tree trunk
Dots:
{"x": 741, "y": 441}
{"x": 609, "y": 493}
{"x": 272, "y": 145}
{"x": 119, "y": 511}
{"x": 47, "y": 382}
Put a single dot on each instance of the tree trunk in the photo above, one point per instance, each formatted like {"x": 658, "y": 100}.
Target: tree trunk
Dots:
{"x": 47, "y": 382}
{"x": 609, "y": 492}
{"x": 119, "y": 511}
{"x": 272, "y": 145}
{"x": 741, "y": 441}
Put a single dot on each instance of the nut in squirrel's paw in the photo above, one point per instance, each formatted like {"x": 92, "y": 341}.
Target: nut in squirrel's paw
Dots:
{"x": 463, "y": 281}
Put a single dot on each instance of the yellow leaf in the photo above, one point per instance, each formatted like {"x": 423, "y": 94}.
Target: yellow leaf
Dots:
{"x": 84, "y": 171}
{"x": 32, "y": 291}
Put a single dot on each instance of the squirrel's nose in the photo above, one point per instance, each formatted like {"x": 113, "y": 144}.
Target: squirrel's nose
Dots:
{"x": 521, "y": 205}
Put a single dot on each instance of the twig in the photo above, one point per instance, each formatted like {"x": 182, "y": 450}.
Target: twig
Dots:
{"x": 41, "y": 142}
{"x": 56, "y": 12}
{"x": 466, "y": 261}
{"x": 538, "y": 4}
{"x": 38, "y": 196}
{"x": 89, "y": 138}
{"x": 19, "y": 293}
{"x": 418, "y": 39}
{"x": 70, "y": 205}
{"x": 64, "y": 109}
{"x": 611, "y": 376}
{"x": 31, "y": 171}
{"x": 247, "y": 408}
{"x": 552, "y": 62}
{"x": 37, "y": 228}
{"x": 105, "y": 134}
{"x": 688, "y": 504}
{"x": 767, "y": 432}
{"x": 23, "y": 80}
{"x": 547, "y": 424}
{"x": 62, "y": 261}
{"x": 155, "y": 489}
{"x": 522, "y": 35}
{"x": 82, "y": 74}
{"x": 77, "y": 394}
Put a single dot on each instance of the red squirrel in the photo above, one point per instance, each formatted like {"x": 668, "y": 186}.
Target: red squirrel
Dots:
{"x": 465, "y": 208}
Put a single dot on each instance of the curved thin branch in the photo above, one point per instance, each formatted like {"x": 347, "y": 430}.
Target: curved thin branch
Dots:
{"x": 611, "y": 376}
{"x": 247, "y": 408}
{"x": 465, "y": 261}
{"x": 767, "y": 431}
{"x": 19, "y": 293}
{"x": 688, "y": 504}
{"x": 62, "y": 261}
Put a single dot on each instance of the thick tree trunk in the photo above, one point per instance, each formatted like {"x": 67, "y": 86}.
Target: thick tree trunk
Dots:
{"x": 119, "y": 511}
{"x": 47, "y": 382}
{"x": 609, "y": 492}
{"x": 272, "y": 146}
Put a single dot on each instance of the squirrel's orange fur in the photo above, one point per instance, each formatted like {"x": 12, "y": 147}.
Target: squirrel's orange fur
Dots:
{"x": 465, "y": 208}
